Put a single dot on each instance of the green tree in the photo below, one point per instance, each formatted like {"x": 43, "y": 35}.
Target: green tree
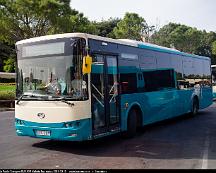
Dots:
{"x": 205, "y": 47}
{"x": 162, "y": 37}
{"x": 214, "y": 52}
{"x": 132, "y": 26}
{"x": 185, "y": 38}
{"x": 21, "y": 19}
{"x": 105, "y": 27}
{"x": 75, "y": 23}
{"x": 214, "y": 48}
{"x": 6, "y": 51}
{"x": 9, "y": 65}
{"x": 181, "y": 37}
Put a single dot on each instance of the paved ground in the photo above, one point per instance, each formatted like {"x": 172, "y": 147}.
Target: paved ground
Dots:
{"x": 185, "y": 143}
{"x": 6, "y": 109}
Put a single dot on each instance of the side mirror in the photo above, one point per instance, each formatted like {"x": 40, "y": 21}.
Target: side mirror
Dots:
{"x": 87, "y": 62}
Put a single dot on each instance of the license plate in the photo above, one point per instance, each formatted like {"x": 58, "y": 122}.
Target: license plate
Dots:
{"x": 43, "y": 133}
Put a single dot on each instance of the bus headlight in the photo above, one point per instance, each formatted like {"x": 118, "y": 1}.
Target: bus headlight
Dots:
{"x": 72, "y": 124}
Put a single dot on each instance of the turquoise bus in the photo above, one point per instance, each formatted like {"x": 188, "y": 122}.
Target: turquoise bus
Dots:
{"x": 214, "y": 81}
{"x": 77, "y": 86}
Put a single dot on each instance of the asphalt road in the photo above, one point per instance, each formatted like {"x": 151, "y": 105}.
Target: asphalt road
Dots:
{"x": 185, "y": 143}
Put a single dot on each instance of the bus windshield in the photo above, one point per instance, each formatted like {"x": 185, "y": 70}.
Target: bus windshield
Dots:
{"x": 52, "y": 70}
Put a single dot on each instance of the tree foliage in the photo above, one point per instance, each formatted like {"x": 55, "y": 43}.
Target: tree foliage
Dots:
{"x": 105, "y": 27}
{"x": 9, "y": 65}
{"x": 213, "y": 52}
{"x": 181, "y": 37}
{"x": 214, "y": 48}
{"x": 132, "y": 26}
{"x": 22, "y": 19}
{"x": 186, "y": 39}
{"x": 6, "y": 51}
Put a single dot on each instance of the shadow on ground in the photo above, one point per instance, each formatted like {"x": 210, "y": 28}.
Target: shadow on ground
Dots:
{"x": 178, "y": 138}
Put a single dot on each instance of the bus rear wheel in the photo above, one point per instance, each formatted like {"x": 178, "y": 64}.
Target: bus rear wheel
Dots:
{"x": 195, "y": 107}
{"x": 131, "y": 124}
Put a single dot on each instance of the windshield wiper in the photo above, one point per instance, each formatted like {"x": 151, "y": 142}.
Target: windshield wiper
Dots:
{"x": 25, "y": 95}
{"x": 19, "y": 99}
{"x": 63, "y": 99}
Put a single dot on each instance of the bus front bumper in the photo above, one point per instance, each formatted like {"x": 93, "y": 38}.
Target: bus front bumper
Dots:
{"x": 56, "y": 131}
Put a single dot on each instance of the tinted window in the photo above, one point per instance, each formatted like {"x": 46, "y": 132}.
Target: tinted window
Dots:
{"x": 148, "y": 62}
{"x": 206, "y": 73}
{"x": 163, "y": 60}
{"x": 189, "y": 73}
{"x": 128, "y": 83}
{"x": 213, "y": 75}
{"x": 196, "y": 73}
{"x": 158, "y": 80}
{"x": 176, "y": 63}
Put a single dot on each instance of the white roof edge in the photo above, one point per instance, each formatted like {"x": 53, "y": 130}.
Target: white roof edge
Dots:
{"x": 68, "y": 35}
{"x": 213, "y": 65}
{"x": 50, "y": 37}
{"x": 118, "y": 41}
{"x": 149, "y": 44}
{"x": 127, "y": 42}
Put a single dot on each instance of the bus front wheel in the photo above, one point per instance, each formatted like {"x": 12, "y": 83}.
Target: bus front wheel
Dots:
{"x": 195, "y": 107}
{"x": 131, "y": 124}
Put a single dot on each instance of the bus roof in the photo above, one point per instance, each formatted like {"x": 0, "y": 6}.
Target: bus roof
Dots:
{"x": 127, "y": 42}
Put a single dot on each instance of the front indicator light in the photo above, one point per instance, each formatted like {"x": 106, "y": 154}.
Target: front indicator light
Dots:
{"x": 72, "y": 125}
{"x": 68, "y": 125}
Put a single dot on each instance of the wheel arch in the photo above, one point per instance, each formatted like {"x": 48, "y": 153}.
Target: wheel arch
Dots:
{"x": 137, "y": 107}
{"x": 197, "y": 98}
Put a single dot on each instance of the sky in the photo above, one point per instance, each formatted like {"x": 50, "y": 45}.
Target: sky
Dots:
{"x": 195, "y": 13}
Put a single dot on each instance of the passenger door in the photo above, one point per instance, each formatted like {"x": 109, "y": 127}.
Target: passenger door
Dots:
{"x": 104, "y": 92}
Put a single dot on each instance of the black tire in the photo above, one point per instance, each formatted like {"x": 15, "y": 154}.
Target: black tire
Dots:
{"x": 131, "y": 124}
{"x": 195, "y": 107}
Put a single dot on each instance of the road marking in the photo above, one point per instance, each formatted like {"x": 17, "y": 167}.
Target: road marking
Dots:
{"x": 146, "y": 152}
{"x": 205, "y": 152}
{"x": 138, "y": 146}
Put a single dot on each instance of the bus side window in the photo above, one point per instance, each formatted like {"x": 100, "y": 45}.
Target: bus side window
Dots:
{"x": 128, "y": 83}
{"x": 159, "y": 80}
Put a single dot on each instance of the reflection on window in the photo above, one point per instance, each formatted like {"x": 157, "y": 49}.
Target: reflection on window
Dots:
{"x": 59, "y": 76}
{"x": 128, "y": 83}
{"x": 214, "y": 76}
{"x": 43, "y": 49}
{"x": 196, "y": 74}
{"x": 98, "y": 91}
{"x": 158, "y": 80}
